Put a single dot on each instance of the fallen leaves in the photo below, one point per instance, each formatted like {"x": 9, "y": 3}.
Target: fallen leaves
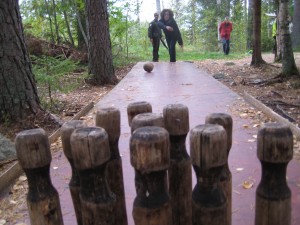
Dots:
{"x": 13, "y": 206}
{"x": 247, "y": 184}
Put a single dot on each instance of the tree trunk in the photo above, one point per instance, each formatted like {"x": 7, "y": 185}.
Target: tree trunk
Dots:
{"x": 227, "y": 7}
{"x": 99, "y": 43}
{"x": 81, "y": 31}
{"x": 278, "y": 53}
{"x": 158, "y": 9}
{"x": 50, "y": 21}
{"x": 67, "y": 23}
{"x": 18, "y": 93}
{"x": 296, "y": 25}
{"x": 138, "y": 11}
{"x": 288, "y": 62}
{"x": 219, "y": 23}
{"x": 193, "y": 21}
{"x": 55, "y": 22}
{"x": 256, "y": 56}
{"x": 250, "y": 25}
{"x": 81, "y": 26}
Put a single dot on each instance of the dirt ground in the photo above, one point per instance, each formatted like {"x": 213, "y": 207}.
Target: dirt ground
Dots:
{"x": 280, "y": 95}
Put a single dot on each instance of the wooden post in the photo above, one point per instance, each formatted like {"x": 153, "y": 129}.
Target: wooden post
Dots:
{"x": 90, "y": 148}
{"x": 225, "y": 121}
{"x": 136, "y": 108}
{"x": 33, "y": 151}
{"x": 147, "y": 119}
{"x": 110, "y": 120}
{"x": 208, "y": 154}
{"x": 273, "y": 196}
{"x": 74, "y": 184}
{"x": 150, "y": 156}
{"x": 143, "y": 120}
{"x": 176, "y": 118}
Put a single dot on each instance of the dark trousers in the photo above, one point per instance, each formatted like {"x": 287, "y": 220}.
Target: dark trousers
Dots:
{"x": 226, "y": 46}
{"x": 155, "y": 45}
{"x": 172, "y": 49}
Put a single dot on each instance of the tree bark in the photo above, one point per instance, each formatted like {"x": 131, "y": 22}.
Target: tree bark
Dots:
{"x": 256, "y": 56}
{"x": 67, "y": 23}
{"x": 193, "y": 21}
{"x": 99, "y": 43}
{"x": 288, "y": 61}
{"x": 18, "y": 92}
{"x": 219, "y": 23}
{"x": 81, "y": 26}
{"x": 158, "y": 9}
{"x": 50, "y": 21}
{"x": 250, "y": 25}
{"x": 55, "y": 22}
{"x": 296, "y": 25}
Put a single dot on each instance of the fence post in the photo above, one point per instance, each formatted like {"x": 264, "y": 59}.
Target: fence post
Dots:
{"x": 33, "y": 151}
{"x": 110, "y": 119}
{"x": 225, "y": 121}
{"x": 149, "y": 155}
{"x": 176, "y": 118}
{"x": 90, "y": 149}
{"x": 208, "y": 154}
{"x": 74, "y": 184}
{"x": 136, "y": 108}
{"x": 273, "y": 196}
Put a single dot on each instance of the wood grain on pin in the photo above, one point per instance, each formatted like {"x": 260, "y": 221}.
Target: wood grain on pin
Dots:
{"x": 74, "y": 184}
{"x": 136, "y": 108}
{"x": 208, "y": 154}
{"x": 33, "y": 152}
{"x": 91, "y": 153}
{"x": 110, "y": 119}
{"x": 147, "y": 119}
{"x": 176, "y": 118}
{"x": 273, "y": 196}
{"x": 225, "y": 121}
{"x": 149, "y": 155}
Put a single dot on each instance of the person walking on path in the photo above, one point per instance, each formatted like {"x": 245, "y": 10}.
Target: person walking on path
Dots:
{"x": 154, "y": 33}
{"x": 225, "y": 31}
{"x": 171, "y": 30}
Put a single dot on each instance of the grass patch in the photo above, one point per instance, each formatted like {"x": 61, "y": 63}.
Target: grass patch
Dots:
{"x": 187, "y": 53}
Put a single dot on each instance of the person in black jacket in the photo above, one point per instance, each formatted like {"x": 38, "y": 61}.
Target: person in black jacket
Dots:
{"x": 171, "y": 30}
{"x": 154, "y": 33}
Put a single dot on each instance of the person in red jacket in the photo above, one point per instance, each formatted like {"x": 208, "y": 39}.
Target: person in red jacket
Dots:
{"x": 225, "y": 30}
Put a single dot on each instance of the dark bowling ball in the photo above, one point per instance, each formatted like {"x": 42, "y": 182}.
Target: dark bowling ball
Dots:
{"x": 148, "y": 67}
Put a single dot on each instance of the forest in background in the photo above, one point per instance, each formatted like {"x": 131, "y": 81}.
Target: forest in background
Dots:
{"x": 63, "y": 21}
{"x": 88, "y": 40}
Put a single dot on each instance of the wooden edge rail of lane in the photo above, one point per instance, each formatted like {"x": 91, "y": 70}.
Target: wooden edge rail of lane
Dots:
{"x": 260, "y": 106}
{"x": 15, "y": 170}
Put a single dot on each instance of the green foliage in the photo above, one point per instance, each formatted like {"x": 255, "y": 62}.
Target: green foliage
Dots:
{"x": 197, "y": 20}
{"x": 267, "y": 40}
{"x": 209, "y": 30}
{"x": 54, "y": 74}
{"x": 238, "y": 36}
{"x": 188, "y": 53}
